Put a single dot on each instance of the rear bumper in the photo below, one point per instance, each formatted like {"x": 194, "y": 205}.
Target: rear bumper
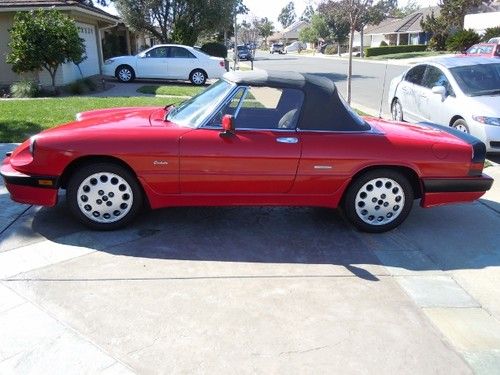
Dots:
{"x": 38, "y": 190}
{"x": 440, "y": 191}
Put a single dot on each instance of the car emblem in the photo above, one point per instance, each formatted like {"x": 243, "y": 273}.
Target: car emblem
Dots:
{"x": 160, "y": 162}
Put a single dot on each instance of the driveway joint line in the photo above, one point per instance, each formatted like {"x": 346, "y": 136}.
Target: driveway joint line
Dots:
{"x": 17, "y": 218}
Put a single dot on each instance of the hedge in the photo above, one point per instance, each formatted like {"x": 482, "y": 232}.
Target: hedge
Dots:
{"x": 377, "y": 51}
{"x": 215, "y": 49}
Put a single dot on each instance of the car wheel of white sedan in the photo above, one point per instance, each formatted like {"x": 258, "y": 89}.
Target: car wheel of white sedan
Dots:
{"x": 397, "y": 110}
{"x": 378, "y": 200}
{"x": 198, "y": 77}
{"x": 461, "y": 125}
{"x": 125, "y": 73}
{"x": 104, "y": 196}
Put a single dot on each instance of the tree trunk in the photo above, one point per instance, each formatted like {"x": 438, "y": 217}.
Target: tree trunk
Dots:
{"x": 338, "y": 48}
{"x": 349, "y": 72}
{"x": 362, "y": 44}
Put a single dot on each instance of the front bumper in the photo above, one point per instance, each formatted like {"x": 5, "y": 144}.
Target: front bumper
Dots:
{"x": 440, "y": 191}
{"x": 38, "y": 190}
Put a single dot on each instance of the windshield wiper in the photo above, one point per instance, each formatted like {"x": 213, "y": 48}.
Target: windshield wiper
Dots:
{"x": 486, "y": 92}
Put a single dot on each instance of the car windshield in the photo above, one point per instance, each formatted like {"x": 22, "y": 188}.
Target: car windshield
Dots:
{"x": 476, "y": 80}
{"x": 192, "y": 112}
{"x": 242, "y": 48}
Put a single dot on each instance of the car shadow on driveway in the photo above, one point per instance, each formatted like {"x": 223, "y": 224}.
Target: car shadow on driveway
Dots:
{"x": 443, "y": 238}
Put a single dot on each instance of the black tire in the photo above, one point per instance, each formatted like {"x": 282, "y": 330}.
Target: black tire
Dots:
{"x": 113, "y": 200}
{"x": 461, "y": 125}
{"x": 198, "y": 77}
{"x": 125, "y": 73}
{"x": 398, "y": 191}
{"x": 397, "y": 110}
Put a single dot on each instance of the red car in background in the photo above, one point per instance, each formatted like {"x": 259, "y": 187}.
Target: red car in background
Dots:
{"x": 484, "y": 50}
{"x": 252, "y": 138}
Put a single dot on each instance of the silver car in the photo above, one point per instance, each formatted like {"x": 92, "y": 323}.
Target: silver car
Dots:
{"x": 462, "y": 92}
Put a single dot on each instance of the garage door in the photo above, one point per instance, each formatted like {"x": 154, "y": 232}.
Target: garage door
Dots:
{"x": 91, "y": 65}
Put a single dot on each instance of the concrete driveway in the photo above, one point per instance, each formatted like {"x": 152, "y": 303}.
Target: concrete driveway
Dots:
{"x": 251, "y": 290}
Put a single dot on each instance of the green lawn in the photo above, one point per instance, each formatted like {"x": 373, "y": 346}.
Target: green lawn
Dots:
{"x": 173, "y": 90}
{"x": 407, "y": 55}
{"x": 20, "y": 119}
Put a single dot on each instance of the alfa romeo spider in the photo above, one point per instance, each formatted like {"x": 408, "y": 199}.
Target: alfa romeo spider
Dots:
{"x": 251, "y": 138}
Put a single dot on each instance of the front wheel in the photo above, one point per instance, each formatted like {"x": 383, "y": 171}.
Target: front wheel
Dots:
{"x": 378, "y": 200}
{"x": 461, "y": 125}
{"x": 125, "y": 73}
{"x": 104, "y": 196}
{"x": 198, "y": 77}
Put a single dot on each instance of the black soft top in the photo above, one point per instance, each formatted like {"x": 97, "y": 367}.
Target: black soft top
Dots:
{"x": 323, "y": 108}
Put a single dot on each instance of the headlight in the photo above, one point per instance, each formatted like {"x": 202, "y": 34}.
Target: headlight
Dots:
{"x": 32, "y": 145}
{"x": 108, "y": 61}
{"x": 487, "y": 120}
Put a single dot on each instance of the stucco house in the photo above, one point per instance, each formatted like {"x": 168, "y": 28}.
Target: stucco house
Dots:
{"x": 397, "y": 31}
{"x": 289, "y": 34}
{"x": 93, "y": 26}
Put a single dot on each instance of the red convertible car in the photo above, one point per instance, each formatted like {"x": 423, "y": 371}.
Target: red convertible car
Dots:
{"x": 254, "y": 138}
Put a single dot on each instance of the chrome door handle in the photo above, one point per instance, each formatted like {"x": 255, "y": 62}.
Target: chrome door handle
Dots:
{"x": 287, "y": 140}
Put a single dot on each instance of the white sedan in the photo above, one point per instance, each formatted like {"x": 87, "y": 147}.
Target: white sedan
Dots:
{"x": 166, "y": 61}
{"x": 461, "y": 92}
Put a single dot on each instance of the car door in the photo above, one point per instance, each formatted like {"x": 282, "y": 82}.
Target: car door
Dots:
{"x": 409, "y": 91}
{"x": 153, "y": 63}
{"x": 435, "y": 107}
{"x": 260, "y": 157}
{"x": 180, "y": 62}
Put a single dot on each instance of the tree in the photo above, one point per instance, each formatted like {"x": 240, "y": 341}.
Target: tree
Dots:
{"x": 307, "y": 13}
{"x": 44, "y": 39}
{"x": 462, "y": 40}
{"x": 411, "y": 7}
{"x": 438, "y": 28}
{"x": 491, "y": 32}
{"x": 453, "y": 11}
{"x": 337, "y": 22}
{"x": 266, "y": 29}
{"x": 287, "y": 15}
{"x": 180, "y": 21}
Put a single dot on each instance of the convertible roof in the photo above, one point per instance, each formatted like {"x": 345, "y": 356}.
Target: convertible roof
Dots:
{"x": 323, "y": 108}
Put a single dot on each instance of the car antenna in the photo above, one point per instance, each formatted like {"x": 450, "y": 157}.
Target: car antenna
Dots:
{"x": 383, "y": 90}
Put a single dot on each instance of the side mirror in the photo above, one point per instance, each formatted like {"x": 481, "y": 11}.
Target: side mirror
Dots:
{"x": 439, "y": 90}
{"x": 227, "y": 125}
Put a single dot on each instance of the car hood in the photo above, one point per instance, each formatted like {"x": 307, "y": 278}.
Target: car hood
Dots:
{"x": 113, "y": 118}
{"x": 485, "y": 105}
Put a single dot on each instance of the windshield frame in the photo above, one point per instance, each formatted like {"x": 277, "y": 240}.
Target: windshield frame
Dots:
{"x": 208, "y": 115}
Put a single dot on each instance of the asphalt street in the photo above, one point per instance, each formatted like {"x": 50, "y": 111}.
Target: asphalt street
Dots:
{"x": 367, "y": 82}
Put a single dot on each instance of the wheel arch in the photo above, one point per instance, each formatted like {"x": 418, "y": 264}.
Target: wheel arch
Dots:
{"x": 408, "y": 172}
{"x": 72, "y": 167}
{"x": 455, "y": 118}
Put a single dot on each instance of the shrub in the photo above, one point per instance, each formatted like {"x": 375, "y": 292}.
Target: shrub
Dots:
{"x": 24, "y": 89}
{"x": 377, "y": 51}
{"x": 215, "y": 49}
{"x": 462, "y": 40}
{"x": 491, "y": 32}
{"x": 91, "y": 85}
{"x": 383, "y": 43}
{"x": 331, "y": 49}
{"x": 77, "y": 87}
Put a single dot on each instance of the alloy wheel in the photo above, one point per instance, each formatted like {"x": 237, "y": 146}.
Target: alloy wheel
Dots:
{"x": 198, "y": 78}
{"x": 125, "y": 74}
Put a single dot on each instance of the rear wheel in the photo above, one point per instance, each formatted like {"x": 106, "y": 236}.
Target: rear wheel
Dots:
{"x": 461, "y": 125}
{"x": 397, "y": 110}
{"x": 198, "y": 77}
{"x": 104, "y": 196}
{"x": 378, "y": 200}
{"x": 125, "y": 73}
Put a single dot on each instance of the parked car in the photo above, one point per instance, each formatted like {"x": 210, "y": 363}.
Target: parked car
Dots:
{"x": 495, "y": 40}
{"x": 484, "y": 50}
{"x": 277, "y": 48}
{"x": 166, "y": 61}
{"x": 295, "y": 47}
{"x": 244, "y": 53}
{"x": 463, "y": 93}
{"x": 252, "y": 138}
